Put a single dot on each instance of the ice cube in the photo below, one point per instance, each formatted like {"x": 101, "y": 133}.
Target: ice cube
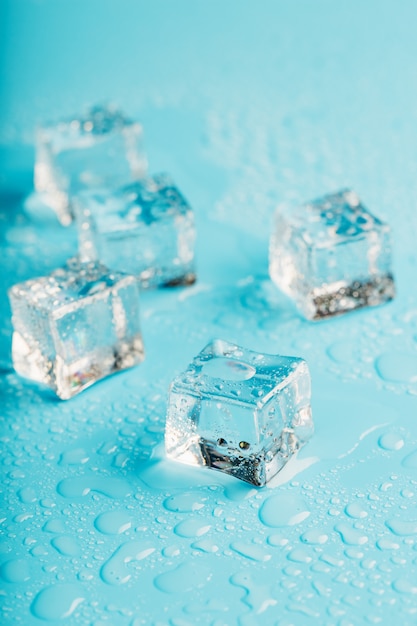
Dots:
{"x": 75, "y": 326}
{"x": 239, "y": 412}
{"x": 99, "y": 148}
{"x": 145, "y": 228}
{"x": 332, "y": 256}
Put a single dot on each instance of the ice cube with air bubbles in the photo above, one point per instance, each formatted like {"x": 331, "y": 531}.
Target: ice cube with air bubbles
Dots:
{"x": 98, "y": 148}
{"x": 332, "y": 256}
{"x": 75, "y": 326}
{"x": 239, "y": 412}
{"x": 145, "y": 228}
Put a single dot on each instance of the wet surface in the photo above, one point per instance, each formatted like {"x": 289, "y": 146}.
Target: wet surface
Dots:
{"x": 98, "y": 527}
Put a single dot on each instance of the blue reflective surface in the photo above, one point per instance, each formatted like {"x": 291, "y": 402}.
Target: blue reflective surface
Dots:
{"x": 246, "y": 106}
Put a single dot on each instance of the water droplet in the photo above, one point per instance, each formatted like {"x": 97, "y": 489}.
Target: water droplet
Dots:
{"x": 27, "y": 495}
{"x": 258, "y": 597}
{"x": 355, "y": 510}
{"x": 185, "y": 577}
{"x": 114, "y": 571}
{"x": 397, "y": 367}
{"x": 15, "y": 571}
{"x": 228, "y": 369}
{"x": 342, "y": 351}
{"x": 404, "y": 585}
{"x": 385, "y": 543}
{"x": 81, "y": 486}
{"x": 77, "y": 456}
{"x": 314, "y": 537}
{"x": 57, "y": 601}
{"x": 283, "y": 510}
{"x": 391, "y": 441}
{"x": 402, "y": 528}
{"x": 350, "y": 536}
{"x": 299, "y": 556}
{"x": 66, "y": 545}
{"x": 205, "y": 545}
{"x": 277, "y": 540}
{"x": 113, "y": 522}
{"x": 185, "y": 502}
{"x": 410, "y": 461}
{"x": 250, "y": 551}
{"x": 192, "y": 528}
{"x": 54, "y": 526}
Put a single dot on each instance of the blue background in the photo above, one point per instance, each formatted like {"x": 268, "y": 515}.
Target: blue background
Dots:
{"x": 246, "y": 104}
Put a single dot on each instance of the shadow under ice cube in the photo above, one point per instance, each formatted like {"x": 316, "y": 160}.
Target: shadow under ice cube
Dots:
{"x": 99, "y": 148}
{"x": 239, "y": 412}
{"x": 332, "y": 256}
{"x": 145, "y": 228}
{"x": 75, "y": 326}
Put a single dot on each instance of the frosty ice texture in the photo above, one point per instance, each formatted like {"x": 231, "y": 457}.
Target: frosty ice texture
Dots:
{"x": 75, "y": 326}
{"x": 145, "y": 228}
{"x": 239, "y": 412}
{"x": 99, "y": 148}
{"x": 331, "y": 256}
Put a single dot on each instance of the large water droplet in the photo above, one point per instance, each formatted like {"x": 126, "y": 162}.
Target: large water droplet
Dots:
{"x": 27, "y": 495}
{"x": 355, "y": 510}
{"x": 405, "y": 585}
{"x": 250, "y": 551}
{"x": 57, "y": 601}
{"x": 315, "y": 536}
{"x": 391, "y": 441}
{"x": 77, "y": 456}
{"x": 351, "y": 536}
{"x": 113, "y": 522}
{"x": 15, "y": 571}
{"x": 397, "y": 367}
{"x": 410, "y": 461}
{"x": 192, "y": 528}
{"x": 81, "y": 486}
{"x": 258, "y": 597}
{"x": 114, "y": 571}
{"x": 185, "y": 502}
{"x": 66, "y": 545}
{"x": 54, "y": 526}
{"x": 283, "y": 510}
{"x": 401, "y": 527}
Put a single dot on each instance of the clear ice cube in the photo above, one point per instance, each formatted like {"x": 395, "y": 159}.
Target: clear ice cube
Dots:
{"x": 99, "y": 148}
{"x": 332, "y": 256}
{"x": 239, "y": 412}
{"x": 75, "y": 326}
{"x": 145, "y": 228}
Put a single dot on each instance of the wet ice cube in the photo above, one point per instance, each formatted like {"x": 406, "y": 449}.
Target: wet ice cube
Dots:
{"x": 145, "y": 228}
{"x": 332, "y": 256}
{"x": 75, "y": 326}
{"x": 101, "y": 147}
{"x": 239, "y": 412}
